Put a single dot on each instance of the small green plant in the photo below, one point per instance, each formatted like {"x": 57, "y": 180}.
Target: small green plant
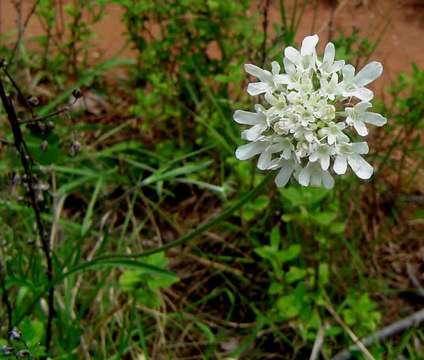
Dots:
{"x": 145, "y": 285}
{"x": 295, "y": 289}
{"x": 360, "y": 313}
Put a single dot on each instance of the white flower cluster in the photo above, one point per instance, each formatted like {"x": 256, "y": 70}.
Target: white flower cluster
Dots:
{"x": 302, "y": 132}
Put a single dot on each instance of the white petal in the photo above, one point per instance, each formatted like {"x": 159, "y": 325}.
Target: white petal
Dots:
{"x": 286, "y": 154}
{"x": 292, "y": 54}
{"x": 374, "y": 119}
{"x": 248, "y": 118}
{"x": 278, "y": 147}
{"x": 304, "y": 176}
{"x": 313, "y": 157}
{"x": 271, "y": 99}
{"x": 340, "y": 165}
{"x": 247, "y": 151}
{"x": 360, "y": 167}
{"x": 363, "y": 94}
{"x": 308, "y": 45}
{"x": 281, "y": 79}
{"x": 360, "y": 127}
{"x": 337, "y": 65}
{"x": 329, "y": 53}
{"x": 264, "y": 160}
{"x": 275, "y": 68}
{"x": 254, "y": 132}
{"x": 257, "y": 88}
{"x": 334, "y": 80}
{"x": 259, "y": 108}
{"x": 316, "y": 178}
{"x": 369, "y": 73}
{"x": 284, "y": 174}
{"x": 327, "y": 180}
{"x": 324, "y": 161}
{"x": 289, "y": 66}
{"x": 362, "y": 106}
{"x": 360, "y": 147}
{"x": 331, "y": 139}
{"x": 343, "y": 137}
{"x": 348, "y": 72}
{"x": 309, "y": 136}
{"x": 256, "y": 71}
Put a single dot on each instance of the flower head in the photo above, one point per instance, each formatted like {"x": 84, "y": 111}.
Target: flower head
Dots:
{"x": 304, "y": 130}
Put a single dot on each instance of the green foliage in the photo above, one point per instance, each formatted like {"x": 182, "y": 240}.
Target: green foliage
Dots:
{"x": 144, "y": 285}
{"x": 360, "y": 313}
{"x": 255, "y": 207}
{"x": 295, "y": 289}
{"x": 188, "y": 60}
{"x": 354, "y": 48}
{"x": 154, "y": 185}
{"x": 28, "y": 343}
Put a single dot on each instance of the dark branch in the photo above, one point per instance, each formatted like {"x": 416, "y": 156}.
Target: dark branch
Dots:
{"x": 26, "y": 162}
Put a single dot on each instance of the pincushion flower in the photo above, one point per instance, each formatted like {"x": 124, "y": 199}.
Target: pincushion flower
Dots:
{"x": 314, "y": 109}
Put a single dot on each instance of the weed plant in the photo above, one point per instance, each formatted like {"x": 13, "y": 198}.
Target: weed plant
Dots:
{"x": 163, "y": 245}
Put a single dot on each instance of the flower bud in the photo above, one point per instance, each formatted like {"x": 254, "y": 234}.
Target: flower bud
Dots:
{"x": 76, "y": 93}
{"x": 15, "y": 334}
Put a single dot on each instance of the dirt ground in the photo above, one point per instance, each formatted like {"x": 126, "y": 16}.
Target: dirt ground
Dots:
{"x": 399, "y": 23}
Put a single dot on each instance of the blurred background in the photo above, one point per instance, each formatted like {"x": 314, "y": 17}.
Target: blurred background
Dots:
{"x": 137, "y": 150}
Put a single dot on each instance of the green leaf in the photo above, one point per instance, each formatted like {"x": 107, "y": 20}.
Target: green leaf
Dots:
{"x": 88, "y": 218}
{"x": 295, "y": 274}
{"x": 265, "y": 252}
{"x": 303, "y": 196}
{"x": 275, "y": 237}
{"x": 131, "y": 280}
{"x": 32, "y": 331}
{"x": 323, "y": 274}
{"x": 275, "y": 288}
{"x": 252, "y": 209}
{"x": 324, "y": 218}
{"x": 51, "y": 154}
{"x": 288, "y": 306}
{"x": 289, "y": 254}
{"x": 207, "y": 331}
{"x": 337, "y": 227}
{"x": 105, "y": 262}
{"x": 168, "y": 175}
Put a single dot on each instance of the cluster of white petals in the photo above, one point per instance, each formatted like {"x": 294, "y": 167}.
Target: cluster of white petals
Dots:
{"x": 312, "y": 111}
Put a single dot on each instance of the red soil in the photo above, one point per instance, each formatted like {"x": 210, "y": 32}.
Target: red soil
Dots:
{"x": 402, "y": 41}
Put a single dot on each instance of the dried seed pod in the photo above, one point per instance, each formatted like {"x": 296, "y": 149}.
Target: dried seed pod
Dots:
{"x": 75, "y": 148}
{"x": 7, "y": 350}
{"x": 16, "y": 179}
{"x": 15, "y": 334}
{"x": 22, "y": 353}
{"x": 44, "y": 145}
{"x": 33, "y": 101}
{"x": 76, "y": 93}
